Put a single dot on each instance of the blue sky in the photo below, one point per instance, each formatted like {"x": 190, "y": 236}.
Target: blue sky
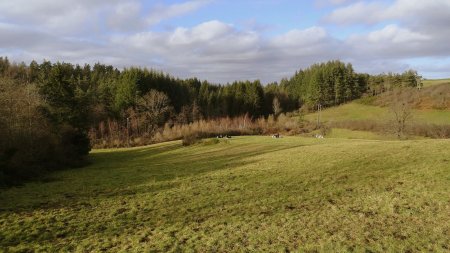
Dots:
{"x": 223, "y": 41}
{"x": 276, "y": 16}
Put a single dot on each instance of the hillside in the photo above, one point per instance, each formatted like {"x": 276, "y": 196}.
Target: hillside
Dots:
{"x": 432, "y": 82}
{"x": 357, "y": 111}
{"x": 244, "y": 194}
{"x": 430, "y": 105}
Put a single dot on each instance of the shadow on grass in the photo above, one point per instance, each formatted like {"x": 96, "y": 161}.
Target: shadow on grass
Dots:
{"x": 134, "y": 171}
{"x": 166, "y": 163}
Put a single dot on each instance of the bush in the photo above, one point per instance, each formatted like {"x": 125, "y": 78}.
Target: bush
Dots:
{"x": 324, "y": 130}
{"x": 32, "y": 142}
{"x": 28, "y": 157}
{"x": 190, "y": 139}
{"x": 237, "y": 126}
{"x": 430, "y": 130}
{"x": 74, "y": 145}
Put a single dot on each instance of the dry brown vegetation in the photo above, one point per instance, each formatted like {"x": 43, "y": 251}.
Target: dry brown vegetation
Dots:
{"x": 402, "y": 115}
{"x": 112, "y": 135}
{"x": 433, "y": 97}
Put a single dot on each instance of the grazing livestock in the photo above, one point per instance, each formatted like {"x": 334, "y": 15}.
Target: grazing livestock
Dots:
{"x": 220, "y": 136}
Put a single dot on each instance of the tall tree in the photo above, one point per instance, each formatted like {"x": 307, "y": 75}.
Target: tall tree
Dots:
{"x": 155, "y": 108}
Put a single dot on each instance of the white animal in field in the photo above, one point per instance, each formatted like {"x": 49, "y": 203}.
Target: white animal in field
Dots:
{"x": 319, "y": 136}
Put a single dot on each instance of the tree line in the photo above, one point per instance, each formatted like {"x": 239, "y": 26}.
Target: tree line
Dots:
{"x": 51, "y": 113}
{"x": 334, "y": 82}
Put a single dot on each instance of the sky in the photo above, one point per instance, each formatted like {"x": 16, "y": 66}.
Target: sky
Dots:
{"x": 226, "y": 40}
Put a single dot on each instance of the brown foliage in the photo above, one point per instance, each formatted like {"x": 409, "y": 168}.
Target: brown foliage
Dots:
{"x": 116, "y": 136}
{"x": 153, "y": 109}
{"x": 190, "y": 139}
{"x": 433, "y": 97}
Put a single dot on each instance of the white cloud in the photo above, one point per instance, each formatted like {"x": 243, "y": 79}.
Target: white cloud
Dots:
{"x": 405, "y": 11}
{"x": 299, "y": 38}
{"x": 221, "y": 52}
{"x": 390, "y": 42}
{"x": 203, "y": 32}
{"x": 395, "y": 34}
{"x": 361, "y": 12}
{"x": 126, "y": 16}
{"x": 63, "y": 16}
{"x": 121, "y": 33}
{"x": 162, "y": 12}
{"x": 86, "y": 16}
{"x": 412, "y": 29}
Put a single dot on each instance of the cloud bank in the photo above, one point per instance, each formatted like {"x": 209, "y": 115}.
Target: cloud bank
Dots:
{"x": 397, "y": 35}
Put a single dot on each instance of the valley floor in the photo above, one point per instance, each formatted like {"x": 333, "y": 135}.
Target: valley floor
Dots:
{"x": 244, "y": 194}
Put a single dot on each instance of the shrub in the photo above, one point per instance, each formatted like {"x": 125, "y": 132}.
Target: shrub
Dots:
{"x": 324, "y": 130}
{"x": 243, "y": 125}
{"x": 190, "y": 139}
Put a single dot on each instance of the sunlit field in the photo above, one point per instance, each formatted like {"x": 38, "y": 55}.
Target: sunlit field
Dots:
{"x": 243, "y": 194}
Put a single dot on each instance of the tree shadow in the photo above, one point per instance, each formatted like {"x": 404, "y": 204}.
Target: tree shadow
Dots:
{"x": 142, "y": 170}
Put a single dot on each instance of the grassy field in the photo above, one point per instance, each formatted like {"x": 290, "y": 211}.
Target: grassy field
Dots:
{"x": 432, "y": 82}
{"x": 356, "y": 111}
{"x": 354, "y": 134}
{"x": 246, "y": 194}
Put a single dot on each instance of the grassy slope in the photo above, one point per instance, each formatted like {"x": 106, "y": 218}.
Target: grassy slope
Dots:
{"x": 250, "y": 194}
{"x": 432, "y": 82}
{"x": 355, "y": 111}
{"x": 355, "y": 134}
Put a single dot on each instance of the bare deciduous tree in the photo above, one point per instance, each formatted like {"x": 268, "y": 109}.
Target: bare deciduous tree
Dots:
{"x": 154, "y": 108}
{"x": 402, "y": 112}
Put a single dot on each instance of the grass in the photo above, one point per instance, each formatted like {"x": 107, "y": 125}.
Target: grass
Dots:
{"x": 247, "y": 194}
{"x": 356, "y": 111}
{"x": 355, "y": 134}
{"x": 351, "y": 111}
{"x": 431, "y": 107}
{"x": 432, "y": 82}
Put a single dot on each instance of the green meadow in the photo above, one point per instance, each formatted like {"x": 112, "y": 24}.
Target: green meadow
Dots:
{"x": 432, "y": 82}
{"x": 357, "y": 111}
{"x": 246, "y": 194}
